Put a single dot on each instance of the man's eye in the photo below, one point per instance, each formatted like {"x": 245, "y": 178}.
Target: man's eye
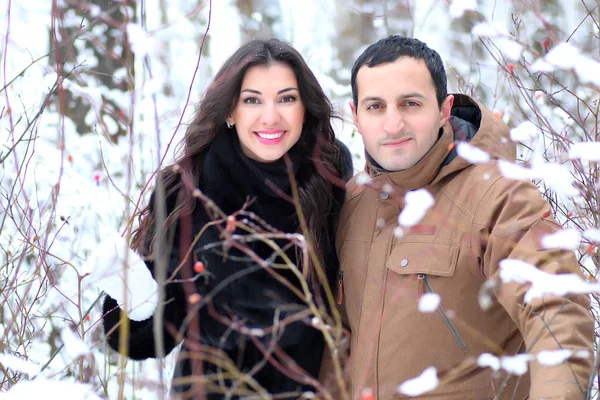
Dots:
{"x": 251, "y": 100}
{"x": 288, "y": 99}
{"x": 412, "y": 104}
{"x": 374, "y": 107}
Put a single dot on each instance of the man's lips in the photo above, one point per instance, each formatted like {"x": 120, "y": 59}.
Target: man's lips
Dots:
{"x": 396, "y": 142}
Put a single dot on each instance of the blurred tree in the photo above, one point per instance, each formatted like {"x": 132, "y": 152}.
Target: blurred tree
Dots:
{"x": 259, "y": 18}
{"x": 355, "y": 30}
{"x": 91, "y": 46}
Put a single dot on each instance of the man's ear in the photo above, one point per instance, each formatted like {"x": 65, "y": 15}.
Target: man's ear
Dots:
{"x": 445, "y": 109}
{"x": 354, "y": 115}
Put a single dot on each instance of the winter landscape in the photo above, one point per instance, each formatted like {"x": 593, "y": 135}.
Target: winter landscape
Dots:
{"x": 96, "y": 95}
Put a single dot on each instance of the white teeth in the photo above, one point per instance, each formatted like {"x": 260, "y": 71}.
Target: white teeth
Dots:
{"x": 270, "y": 136}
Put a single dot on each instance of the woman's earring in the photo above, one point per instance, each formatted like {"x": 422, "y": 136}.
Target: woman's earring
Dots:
{"x": 229, "y": 125}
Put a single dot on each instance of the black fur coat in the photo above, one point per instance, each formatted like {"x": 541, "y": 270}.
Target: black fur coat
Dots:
{"x": 234, "y": 286}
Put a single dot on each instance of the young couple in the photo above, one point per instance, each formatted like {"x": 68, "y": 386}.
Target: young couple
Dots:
{"x": 260, "y": 237}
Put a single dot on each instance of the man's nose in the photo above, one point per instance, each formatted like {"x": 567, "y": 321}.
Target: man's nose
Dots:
{"x": 270, "y": 115}
{"x": 394, "y": 122}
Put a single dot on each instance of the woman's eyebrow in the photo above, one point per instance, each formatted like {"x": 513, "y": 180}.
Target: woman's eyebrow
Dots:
{"x": 259, "y": 92}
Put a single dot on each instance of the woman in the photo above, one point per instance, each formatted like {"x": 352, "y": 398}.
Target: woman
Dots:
{"x": 261, "y": 137}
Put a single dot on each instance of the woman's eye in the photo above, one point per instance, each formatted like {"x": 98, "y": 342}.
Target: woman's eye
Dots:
{"x": 288, "y": 99}
{"x": 251, "y": 100}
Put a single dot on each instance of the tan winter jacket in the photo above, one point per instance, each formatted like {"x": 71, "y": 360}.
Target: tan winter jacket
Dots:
{"x": 479, "y": 218}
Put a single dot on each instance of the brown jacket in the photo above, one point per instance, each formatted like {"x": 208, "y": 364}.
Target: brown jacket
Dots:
{"x": 479, "y": 218}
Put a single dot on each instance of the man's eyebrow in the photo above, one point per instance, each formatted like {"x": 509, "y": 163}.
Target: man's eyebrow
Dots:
{"x": 371, "y": 98}
{"x": 411, "y": 95}
{"x": 401, "y": 97}
{"x": 258, "y": 92}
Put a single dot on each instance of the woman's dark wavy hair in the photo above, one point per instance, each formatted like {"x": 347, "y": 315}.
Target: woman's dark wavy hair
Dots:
{"x": 317, "y": 143}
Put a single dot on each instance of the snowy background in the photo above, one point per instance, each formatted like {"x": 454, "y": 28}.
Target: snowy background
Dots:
{"x": 95, "y": 95}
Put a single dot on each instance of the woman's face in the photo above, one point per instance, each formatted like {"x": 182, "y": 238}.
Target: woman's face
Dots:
{"x": 269, "y": 114}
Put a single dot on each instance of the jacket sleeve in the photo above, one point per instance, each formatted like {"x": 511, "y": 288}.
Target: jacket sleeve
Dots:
{"x": 141, "y": 334}
{"x": 516, "y": 219}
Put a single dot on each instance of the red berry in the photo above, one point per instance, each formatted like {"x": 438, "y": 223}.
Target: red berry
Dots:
{"x": 199, "y": 267}
{"x": 546, "y": 43}
{"x": 591, "y": 249}
{"x": 511, "y": 67}
{"x": 546, "y": 214}
{"x": 230, "y": 223}
{"x": 367, "y": 394}
{"x": 194, "y": 298}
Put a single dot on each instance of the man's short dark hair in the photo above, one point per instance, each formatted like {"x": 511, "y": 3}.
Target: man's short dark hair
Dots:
{"x": 394, "y": 47}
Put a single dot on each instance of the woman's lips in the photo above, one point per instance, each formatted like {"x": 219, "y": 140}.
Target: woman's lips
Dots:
{"x": 270, "y": 136}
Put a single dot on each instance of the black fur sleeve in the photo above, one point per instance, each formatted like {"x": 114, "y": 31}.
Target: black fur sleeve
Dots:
{"x": 140, "y": 335}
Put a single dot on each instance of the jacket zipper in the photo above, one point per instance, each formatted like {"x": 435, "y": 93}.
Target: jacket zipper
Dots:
{"x": 340, "y": 287}
{"x": 424, "y": 282}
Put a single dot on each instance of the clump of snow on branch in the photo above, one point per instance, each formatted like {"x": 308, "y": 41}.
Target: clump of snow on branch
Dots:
{"x": 116, "y": 268}
{"x": 554, "y": 357}
{"x": 556, "y": 176}
{"x": 525, "y": 131}
{"x": 429, "y": 302}
{"x": 566, "y": 239}
{"x": 18, "y": 364}
{"x": 363, "y": 178}
{"x": 417, "y": 203}
{"x": 593, "y": 235}
{"x": 543, "y": 283}
{"x": 472, "y": 154}
{"x": 565, "y": 56}
{"x": 585, "y": 151}
{"x": 459, "y": 7}
{"x": 517, "y": 364}
{"x": 484, "y": 297}
{"x": 423, "y": 383}
{"x": 509, "y": 48}
{"x": 74, "y": 346}
{"x": 46, "y": 389}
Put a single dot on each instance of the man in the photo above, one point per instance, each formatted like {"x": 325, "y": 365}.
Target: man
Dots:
{"x": 410, "y": 127}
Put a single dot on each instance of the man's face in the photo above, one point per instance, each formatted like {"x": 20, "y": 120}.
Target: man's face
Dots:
{"x": 397, "y": 112}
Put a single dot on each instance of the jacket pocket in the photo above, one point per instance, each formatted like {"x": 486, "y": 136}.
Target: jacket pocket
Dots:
{"x": 423, "y": 258}
{"x": 451, "y": 326}
{"x": 423, "y": 261}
